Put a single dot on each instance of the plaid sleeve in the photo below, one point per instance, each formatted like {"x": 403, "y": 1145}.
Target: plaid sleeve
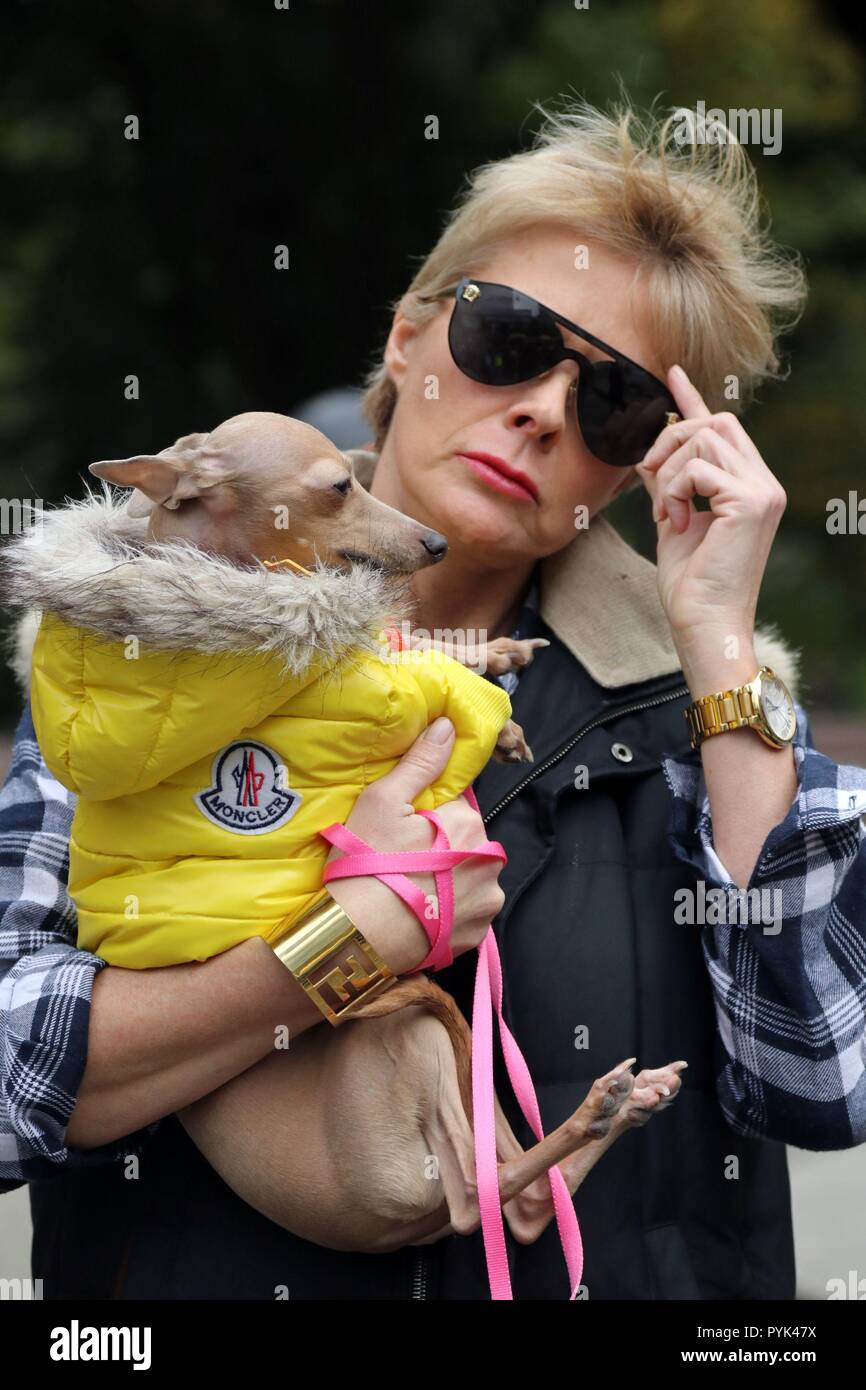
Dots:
{"x": 45, "y": 981}
{"x": 788, "y": 971}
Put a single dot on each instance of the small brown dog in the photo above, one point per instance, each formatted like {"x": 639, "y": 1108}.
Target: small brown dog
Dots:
{"x": 357, "y": 1113}
{"x": 268, "y": 486}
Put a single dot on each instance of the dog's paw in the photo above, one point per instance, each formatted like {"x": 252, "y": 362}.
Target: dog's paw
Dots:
{"x": 654, "y": 1090}
{"x": 511, "y": 746}
{"x": 505, "y": 654}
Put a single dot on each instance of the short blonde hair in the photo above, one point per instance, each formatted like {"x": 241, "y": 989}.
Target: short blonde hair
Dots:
{"x": 689, "y": 214}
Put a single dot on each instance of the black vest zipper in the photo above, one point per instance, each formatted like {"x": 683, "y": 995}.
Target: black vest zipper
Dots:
{"x": 587, "y": 728}
{"x": 419, "y": 1274}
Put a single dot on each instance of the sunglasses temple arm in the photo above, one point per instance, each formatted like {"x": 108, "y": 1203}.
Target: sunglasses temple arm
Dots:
{"x": 447, "y": 293}
{"x": 605, "y": 347}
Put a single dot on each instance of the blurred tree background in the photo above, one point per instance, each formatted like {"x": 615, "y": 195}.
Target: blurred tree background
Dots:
{"x": 304, "y": 126}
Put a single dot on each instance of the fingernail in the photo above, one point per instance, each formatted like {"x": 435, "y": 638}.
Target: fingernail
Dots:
{"x": 679, "y": 373}
{"x": 440, "y": 730}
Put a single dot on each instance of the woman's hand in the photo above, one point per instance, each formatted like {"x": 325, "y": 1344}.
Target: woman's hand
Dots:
{"x": 710, "y": 564}
{"x": 384, "y": 816}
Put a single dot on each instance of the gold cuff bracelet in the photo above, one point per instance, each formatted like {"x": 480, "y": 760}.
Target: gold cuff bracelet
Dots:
{"x": 332, "y": 961}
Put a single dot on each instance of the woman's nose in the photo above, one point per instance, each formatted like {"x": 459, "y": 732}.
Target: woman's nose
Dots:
{"x": 545, "y": 402}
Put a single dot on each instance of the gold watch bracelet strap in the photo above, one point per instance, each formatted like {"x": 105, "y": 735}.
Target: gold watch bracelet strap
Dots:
{"x": 332, "y": 961}
{"x": 721, "y": 711}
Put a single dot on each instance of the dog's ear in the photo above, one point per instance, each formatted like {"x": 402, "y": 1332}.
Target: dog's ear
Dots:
{"x": 363, "y": 463}
{"x": 166, "y": 479}
{"x": 154, "y": 478}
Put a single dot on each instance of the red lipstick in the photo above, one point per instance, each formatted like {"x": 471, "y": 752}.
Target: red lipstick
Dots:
{"x": 502, "y": 476}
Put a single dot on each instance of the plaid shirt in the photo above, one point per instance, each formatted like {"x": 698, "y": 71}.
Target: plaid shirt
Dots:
{"x": 790, "y": 1006}
{"x": 790, "y": 1003}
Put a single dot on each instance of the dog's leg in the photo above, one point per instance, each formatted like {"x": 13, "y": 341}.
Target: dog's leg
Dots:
{"x": 493, "y": 658}
{"x": 496, "y": 657}
{"x": 443, "y": 1108}
{"x": 511, "y": 746}
{"x": 616, "y": 1103}
{"x": 506, "y": 654}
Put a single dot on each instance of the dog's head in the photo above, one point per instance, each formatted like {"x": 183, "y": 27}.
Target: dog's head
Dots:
{"x": 268, "y": 486}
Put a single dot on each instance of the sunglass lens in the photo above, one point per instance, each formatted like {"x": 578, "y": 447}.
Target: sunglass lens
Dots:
{"x": 502, "y": 338}
{"x": 620, "y": 411}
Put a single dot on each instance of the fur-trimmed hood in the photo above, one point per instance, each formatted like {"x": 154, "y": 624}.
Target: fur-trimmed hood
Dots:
{"x": 88, "y": 563}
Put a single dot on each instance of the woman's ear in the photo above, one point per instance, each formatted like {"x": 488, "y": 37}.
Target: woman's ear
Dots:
{"x": 403, "y": 331}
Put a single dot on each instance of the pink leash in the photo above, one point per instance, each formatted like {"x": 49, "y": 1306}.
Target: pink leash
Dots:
{"x": 361, "y": 858}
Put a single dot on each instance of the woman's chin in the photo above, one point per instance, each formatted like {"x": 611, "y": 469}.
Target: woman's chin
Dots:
{"x": 472, "y": 518}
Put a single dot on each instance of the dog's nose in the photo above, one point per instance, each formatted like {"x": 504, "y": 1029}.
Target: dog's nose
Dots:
{"x": 435, "y": 544}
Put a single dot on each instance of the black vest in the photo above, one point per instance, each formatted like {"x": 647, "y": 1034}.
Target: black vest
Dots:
{"x": 682, "y": 1208}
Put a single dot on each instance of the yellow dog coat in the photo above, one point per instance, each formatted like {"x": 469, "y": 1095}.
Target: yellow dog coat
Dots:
{"x": 211, "y": 719}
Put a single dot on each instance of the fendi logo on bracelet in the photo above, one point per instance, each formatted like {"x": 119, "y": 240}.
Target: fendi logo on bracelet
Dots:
{"x": 332, "y": 961}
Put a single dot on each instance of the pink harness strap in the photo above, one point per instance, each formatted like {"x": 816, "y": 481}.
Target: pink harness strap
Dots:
{"x": 360, "y": 858}
{"x": 391, "y": 869}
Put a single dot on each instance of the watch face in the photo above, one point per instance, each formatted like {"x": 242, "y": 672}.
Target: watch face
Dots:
{"x": 777, "y": 708}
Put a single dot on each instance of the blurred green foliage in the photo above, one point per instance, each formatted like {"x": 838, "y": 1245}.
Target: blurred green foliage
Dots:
{"x": 305, "y": 126}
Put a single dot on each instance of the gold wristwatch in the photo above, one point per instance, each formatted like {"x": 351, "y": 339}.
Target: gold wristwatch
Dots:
{"x": 332, "y": 961}
{"x": 764, "y": 704}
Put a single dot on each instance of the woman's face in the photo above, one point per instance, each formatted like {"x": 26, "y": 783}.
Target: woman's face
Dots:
{"x": 531, "y": 426}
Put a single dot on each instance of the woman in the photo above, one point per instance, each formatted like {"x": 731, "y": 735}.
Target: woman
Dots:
{"x": 657, "y": 256}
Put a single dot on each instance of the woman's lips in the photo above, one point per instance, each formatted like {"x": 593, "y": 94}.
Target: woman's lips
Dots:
{"x": 496, "y": 479}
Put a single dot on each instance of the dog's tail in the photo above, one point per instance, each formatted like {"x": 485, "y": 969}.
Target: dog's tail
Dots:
{"x": 418, "y": 991}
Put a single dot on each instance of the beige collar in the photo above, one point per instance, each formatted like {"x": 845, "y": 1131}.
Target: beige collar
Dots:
{"x": 601, "y": 599}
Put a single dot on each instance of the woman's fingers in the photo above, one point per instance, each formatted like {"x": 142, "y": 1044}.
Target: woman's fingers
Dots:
{"x": 419, "y": 766}
{"x": 697, "y": 417}
{"x": 703, "y": 444}
{"x": 725, "y": 427}
{"x": 696, "y": 478}
{"x": 384, "y": 816}
{"x": 690, "y": 402}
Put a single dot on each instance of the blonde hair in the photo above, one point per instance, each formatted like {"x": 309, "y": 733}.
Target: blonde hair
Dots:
{"x": 689, "y": 214}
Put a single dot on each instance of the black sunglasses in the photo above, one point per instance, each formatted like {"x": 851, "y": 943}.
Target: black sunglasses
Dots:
{"x": 499, "y": 336}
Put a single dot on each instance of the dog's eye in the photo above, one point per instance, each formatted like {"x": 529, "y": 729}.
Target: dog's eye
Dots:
{"x": 345, "y": 487}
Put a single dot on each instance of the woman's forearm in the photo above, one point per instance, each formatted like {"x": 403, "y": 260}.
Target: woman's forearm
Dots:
{"x": 749, "y": 785}
{"x": 160, "y": 1039}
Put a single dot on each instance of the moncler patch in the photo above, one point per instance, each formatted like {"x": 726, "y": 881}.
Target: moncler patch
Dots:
{"x": 249, "y": 795}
